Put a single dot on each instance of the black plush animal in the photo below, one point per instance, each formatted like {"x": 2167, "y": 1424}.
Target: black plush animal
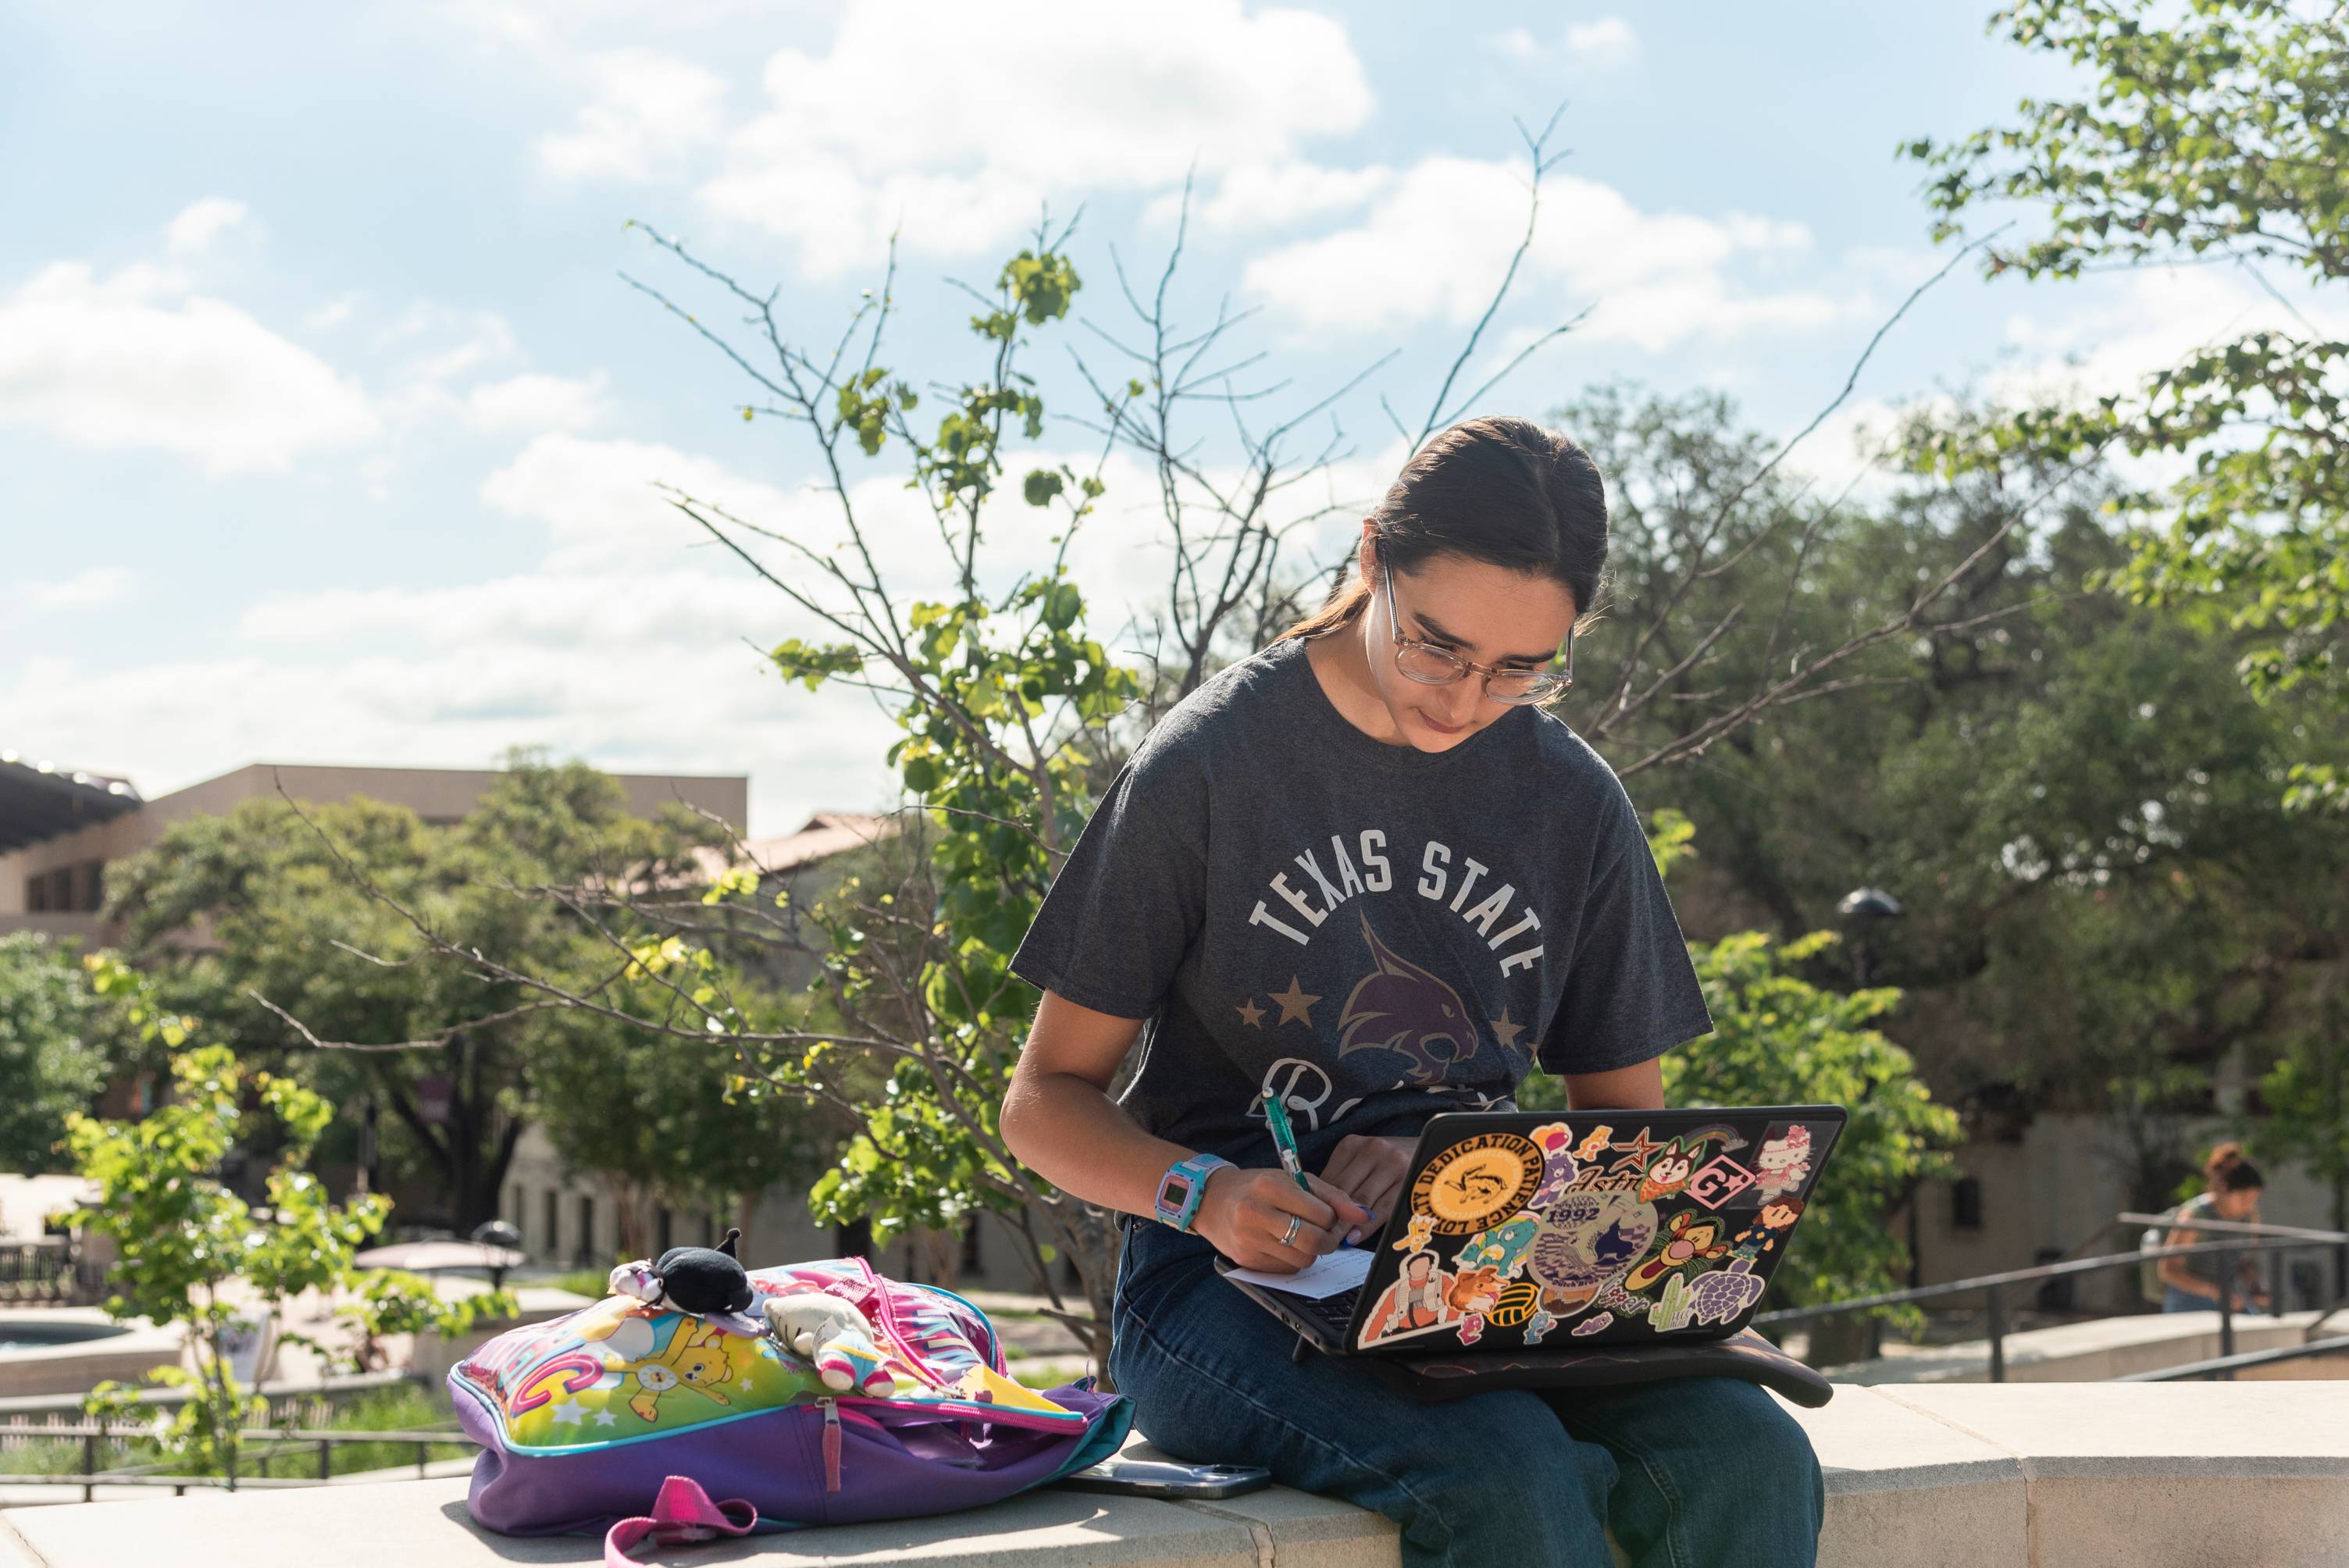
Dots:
{"x": 705, "y": 1279}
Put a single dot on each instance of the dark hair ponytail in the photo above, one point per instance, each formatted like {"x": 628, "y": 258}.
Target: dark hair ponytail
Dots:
{"x": 2228, "y": 1171}
{"x": 1497, "y": 489}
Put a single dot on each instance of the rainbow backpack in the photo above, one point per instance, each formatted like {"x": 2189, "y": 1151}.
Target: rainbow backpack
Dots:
{"x": 631, "y": 1415}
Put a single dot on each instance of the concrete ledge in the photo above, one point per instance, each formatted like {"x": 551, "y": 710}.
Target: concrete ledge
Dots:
{"x": 2149, "y": 1476}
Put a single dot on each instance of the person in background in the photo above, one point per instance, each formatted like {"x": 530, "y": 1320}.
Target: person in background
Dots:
{"x": 2231, "y": 1193}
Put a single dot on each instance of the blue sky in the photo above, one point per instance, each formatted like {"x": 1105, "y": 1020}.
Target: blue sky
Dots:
{"x": 328, "y": 428}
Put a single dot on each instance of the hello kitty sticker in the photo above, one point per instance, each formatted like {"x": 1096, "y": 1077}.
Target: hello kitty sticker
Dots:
{"x": 1783, "y": 1166}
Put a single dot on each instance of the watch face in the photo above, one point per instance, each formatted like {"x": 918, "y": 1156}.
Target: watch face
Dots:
{"x": 1174, "y": 1193}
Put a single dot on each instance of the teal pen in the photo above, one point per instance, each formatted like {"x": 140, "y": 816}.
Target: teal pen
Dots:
{"x": 1284, "y": 1138}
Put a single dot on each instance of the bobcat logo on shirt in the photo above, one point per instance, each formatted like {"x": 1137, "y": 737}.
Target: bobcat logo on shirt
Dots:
{"x": 1401, "y": 1007}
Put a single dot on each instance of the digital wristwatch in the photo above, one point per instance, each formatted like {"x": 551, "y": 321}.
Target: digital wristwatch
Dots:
{"x": 1180, "y": 1189}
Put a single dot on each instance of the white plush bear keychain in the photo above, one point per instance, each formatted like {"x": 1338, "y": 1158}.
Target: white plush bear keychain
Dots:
{"x": 833, "y": 1337}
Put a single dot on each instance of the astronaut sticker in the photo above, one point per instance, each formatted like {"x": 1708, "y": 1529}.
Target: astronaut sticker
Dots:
{"x": 1415, "y": 1304}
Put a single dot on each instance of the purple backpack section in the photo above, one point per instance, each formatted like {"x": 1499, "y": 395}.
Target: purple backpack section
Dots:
{"x": 584, "y": 1418}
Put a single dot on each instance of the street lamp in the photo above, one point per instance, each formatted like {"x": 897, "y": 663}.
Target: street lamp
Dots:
{"x": 1863, "y": 908}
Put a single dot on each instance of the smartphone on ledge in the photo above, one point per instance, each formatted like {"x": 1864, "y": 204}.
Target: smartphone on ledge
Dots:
{"x": 1168, "y": 1479}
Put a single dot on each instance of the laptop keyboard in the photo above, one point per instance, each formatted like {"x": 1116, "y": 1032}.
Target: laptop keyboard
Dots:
{"x": 1333, "y": 1313}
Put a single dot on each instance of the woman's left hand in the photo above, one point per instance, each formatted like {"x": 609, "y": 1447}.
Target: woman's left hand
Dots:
{"x": 1371, "y": 1171}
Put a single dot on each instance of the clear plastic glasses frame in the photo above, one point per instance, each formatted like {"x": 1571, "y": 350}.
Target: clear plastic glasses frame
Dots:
{"x": 1432, "y": 666}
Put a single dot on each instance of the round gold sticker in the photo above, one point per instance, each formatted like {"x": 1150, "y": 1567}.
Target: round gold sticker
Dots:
{"x": 1477, "y": 1180}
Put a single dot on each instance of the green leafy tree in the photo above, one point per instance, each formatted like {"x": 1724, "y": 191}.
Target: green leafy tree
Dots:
{"x": 1779, "y": 1039}
{"x": 2107, "y": 898}
{"x": 666, "y": 1124}
{"x": 271, "y": 913}
{"x": 2307, "y": 1096}
{"x": 191, "y": 1250}
{"x": 1012, "y": 710}
{"x": 2215, "y": 130}
{"x": 50, "y": 1055}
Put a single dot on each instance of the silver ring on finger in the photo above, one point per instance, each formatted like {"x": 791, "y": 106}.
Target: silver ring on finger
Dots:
{"x": 1288, "y": 1236}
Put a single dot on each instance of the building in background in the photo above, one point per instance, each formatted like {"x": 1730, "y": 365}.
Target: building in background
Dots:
{"x": 60, "y": 830}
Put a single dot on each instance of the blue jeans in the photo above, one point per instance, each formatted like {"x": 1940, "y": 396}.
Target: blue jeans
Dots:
{"x": 1689, "y": 1473}
{"x": 2176, "y": 1300}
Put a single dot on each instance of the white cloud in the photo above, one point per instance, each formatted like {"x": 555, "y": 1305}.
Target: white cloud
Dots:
{"x": 1607, "y": 42}
{"x": 84, "y": 590}
{"x": 1255, "y": 197}
{"x": 631, "y": 642}
{"x": 2094, "y": 337}
{"x": 546, "y": 26}
{"x": 598, "y": 503}
{"x": 332, "y": 314}
{"x": 649, "y": 111}
{"x": 710, "y": 710}
{"x": 1437, "y": 240}
{"x": 457, "y": 341}
{"x": 536, "y": 401}
{"x": 2113, "y": 334}
{"x": 937, "y": 115}
{"x": 200, "y": 222}
{"x": 1600, "y": 44}
{"x": 138, "y": 359}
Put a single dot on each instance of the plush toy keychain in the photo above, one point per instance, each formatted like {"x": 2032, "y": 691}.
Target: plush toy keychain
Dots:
{"x": 832, "y": 1336}
{"x": 708, "y": 1282}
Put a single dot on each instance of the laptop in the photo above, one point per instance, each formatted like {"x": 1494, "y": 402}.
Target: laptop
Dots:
{"x": 1537, "y": 1230}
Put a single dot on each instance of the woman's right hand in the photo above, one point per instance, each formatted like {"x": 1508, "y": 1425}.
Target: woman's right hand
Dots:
{"x": 1245, "y": 1212}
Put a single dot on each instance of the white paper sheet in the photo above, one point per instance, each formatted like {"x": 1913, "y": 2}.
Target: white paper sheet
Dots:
{"x": 1324, "y": 1277}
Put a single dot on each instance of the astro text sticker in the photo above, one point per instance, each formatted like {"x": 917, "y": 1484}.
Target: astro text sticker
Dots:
{"x": 1477, "y": 1181}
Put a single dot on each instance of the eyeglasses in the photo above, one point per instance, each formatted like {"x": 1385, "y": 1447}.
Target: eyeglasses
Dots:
{"x": 1432, "y": 666}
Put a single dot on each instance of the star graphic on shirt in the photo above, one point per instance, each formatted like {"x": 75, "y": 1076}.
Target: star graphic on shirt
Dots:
{"x": 606, "y": 1418}
{"x": 1504, "y": 1031}
{"x": 1250, "y": 1014}
{"x": 1293, "y": 1003}
{"x": 744, "y": 1385}
{"x": 569, "y": 1413}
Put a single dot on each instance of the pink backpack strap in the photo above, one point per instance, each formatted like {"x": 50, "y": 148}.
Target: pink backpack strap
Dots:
{"x": 681, "y": 1514}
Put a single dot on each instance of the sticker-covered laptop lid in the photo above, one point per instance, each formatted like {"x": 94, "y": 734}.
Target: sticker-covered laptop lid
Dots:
{"x": 1598, "y": 1227}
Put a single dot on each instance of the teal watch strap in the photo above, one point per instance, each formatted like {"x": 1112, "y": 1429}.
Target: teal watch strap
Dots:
{"x": 1180, "y": 1189}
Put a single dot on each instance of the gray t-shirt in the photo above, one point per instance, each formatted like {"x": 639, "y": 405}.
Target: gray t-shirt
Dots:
{"x": 1376, "y": 932}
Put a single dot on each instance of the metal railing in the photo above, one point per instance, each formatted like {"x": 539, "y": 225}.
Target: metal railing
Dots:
{"x": 45, "y": 1273}
{"x": 261, "y": 1448}
{"x": 2227, "y": 1366}
{"x": 2247, "y": 1241}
